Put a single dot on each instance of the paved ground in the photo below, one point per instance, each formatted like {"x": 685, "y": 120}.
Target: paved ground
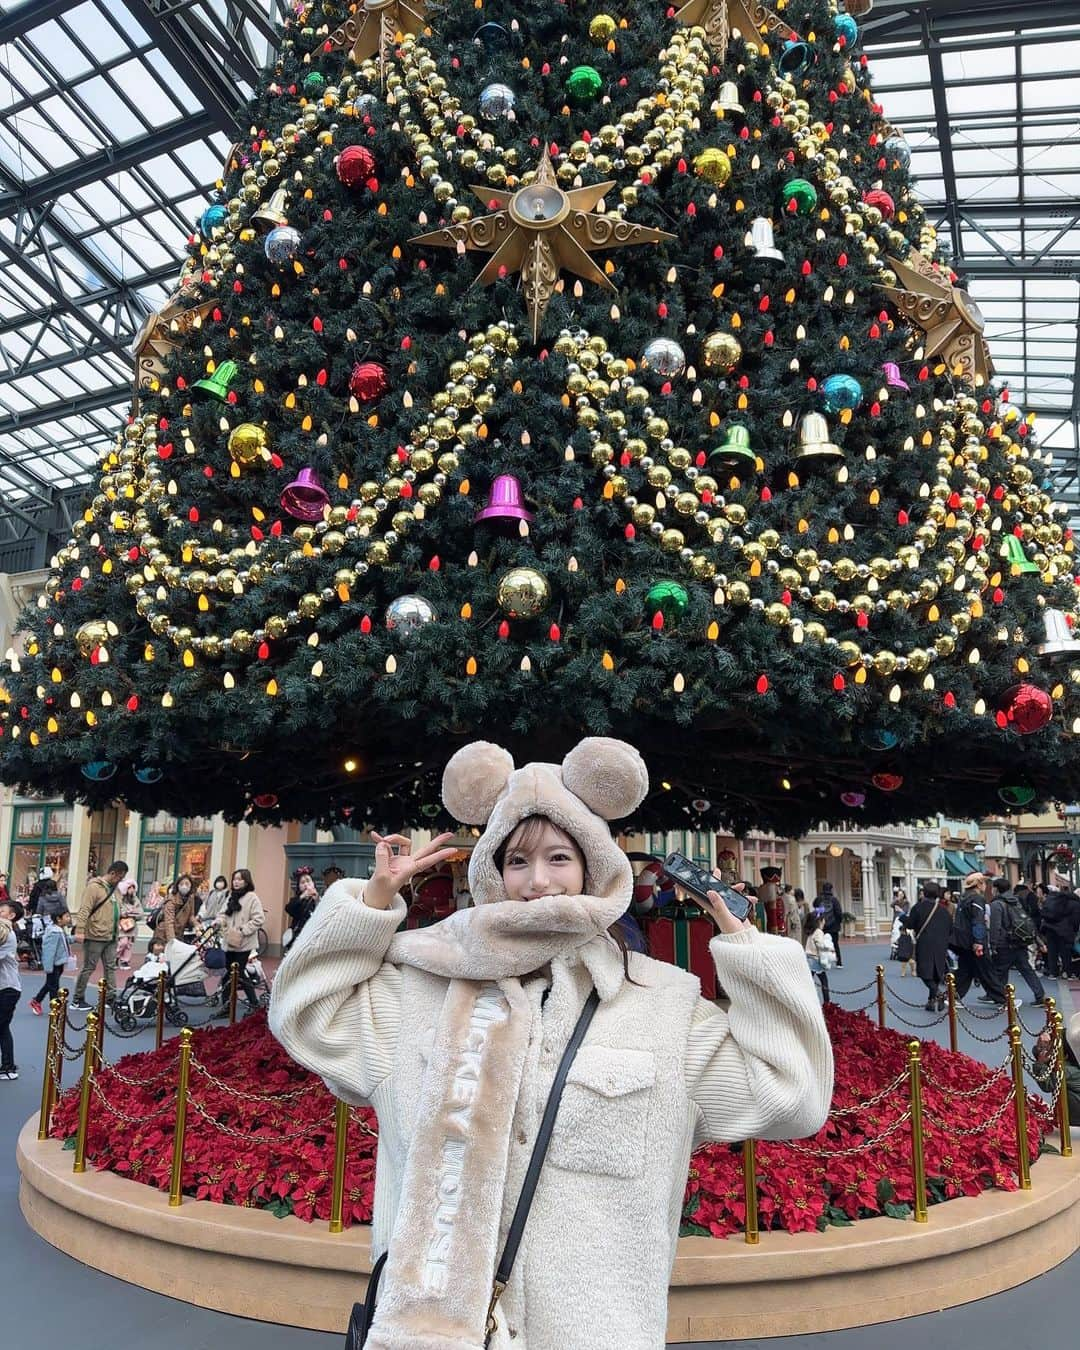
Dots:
{"x": 91, "y": 1311}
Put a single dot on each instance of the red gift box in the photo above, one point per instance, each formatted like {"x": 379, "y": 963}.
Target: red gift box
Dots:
{"x": 683, "y": 941}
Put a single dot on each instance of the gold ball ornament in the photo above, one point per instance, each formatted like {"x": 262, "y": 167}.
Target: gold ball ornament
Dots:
{"x": 91, "y": 635}
{"x": 714, "y": 165}
{"x": 247, "y": 444}
{"x": 602, "y": 29}
{"x": 523, "y": 593}
{"x": 721, "y": 351}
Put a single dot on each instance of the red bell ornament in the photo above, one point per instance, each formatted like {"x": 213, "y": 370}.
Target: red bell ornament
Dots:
{"x": 1027, "y": 707}
{"x": 355, "y": 165}
{"x": 368, "y": 381}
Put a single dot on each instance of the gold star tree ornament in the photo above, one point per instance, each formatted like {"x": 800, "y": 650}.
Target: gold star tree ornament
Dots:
{"x": 539, "y": 230}
{"x": 373, "y": 30}
{"x": 951, "y": 321}
{"x": 721, "y": 18}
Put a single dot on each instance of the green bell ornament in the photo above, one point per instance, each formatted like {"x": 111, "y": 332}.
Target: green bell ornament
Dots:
{"x": 735, "y": 452}
{"x": 1020, "y": 564}
{"x": 584, "y": 83}
{"x": 800, "y": 192}
{"x": 218, "y": 383}
{"x": 668, "y": 598}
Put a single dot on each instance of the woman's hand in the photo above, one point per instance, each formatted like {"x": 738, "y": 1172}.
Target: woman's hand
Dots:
{"x": 722, "y": 916}
{"x": 394, "y": 870}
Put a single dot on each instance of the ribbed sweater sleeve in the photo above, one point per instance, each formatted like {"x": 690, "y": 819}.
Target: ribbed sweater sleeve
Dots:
{"x": 762, "y": 1069}
{"x": 336, "y": 1002}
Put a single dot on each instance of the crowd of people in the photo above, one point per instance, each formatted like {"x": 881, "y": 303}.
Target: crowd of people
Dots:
{"x": 992, "y": 928}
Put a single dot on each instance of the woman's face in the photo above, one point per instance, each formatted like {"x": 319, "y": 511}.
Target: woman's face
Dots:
{"x": 221, "y": 884}
{"x": 184, "y": 888}
{"x": 307, "y": 886}
{"x": 552, "y": 865}
{"x": 237, "y": 882}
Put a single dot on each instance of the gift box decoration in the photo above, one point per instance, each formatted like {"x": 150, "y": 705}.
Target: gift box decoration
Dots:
{"x": 681, "y": 937}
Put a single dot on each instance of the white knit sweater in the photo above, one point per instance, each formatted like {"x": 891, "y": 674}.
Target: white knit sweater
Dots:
{"x": 660, "y": 1071}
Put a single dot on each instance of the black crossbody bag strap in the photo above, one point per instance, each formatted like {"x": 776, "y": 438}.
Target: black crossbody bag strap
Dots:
{"x": 363, "y": 1314}
{"x": 536, "y": 1162}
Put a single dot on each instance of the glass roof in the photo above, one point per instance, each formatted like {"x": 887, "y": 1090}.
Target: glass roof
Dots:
{"x": 116, "y": 118}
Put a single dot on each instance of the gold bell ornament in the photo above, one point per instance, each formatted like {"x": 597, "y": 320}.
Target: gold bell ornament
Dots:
{"x": 814, "y": 440}
{"x": 272, "y": 215}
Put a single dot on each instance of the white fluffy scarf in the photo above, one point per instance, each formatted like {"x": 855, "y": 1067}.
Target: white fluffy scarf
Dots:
{"x": 436, "y": 1285}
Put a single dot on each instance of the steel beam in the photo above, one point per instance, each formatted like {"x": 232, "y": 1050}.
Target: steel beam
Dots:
{"x": 49, "y": 188}
{"x": 68, "y": 407}
{"x": 18, "y": 21}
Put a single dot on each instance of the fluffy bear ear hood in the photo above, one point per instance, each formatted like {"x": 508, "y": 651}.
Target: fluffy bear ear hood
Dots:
{"x": 601, "y": 779}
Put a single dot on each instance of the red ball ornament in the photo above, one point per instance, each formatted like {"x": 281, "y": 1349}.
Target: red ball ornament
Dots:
{"x": 368, "y": 381}
{"x": 355, "y": 165}
{"x": 883, "y": 202}
{"x": 1027, "y": 707}
{"x": 888, "y": 782}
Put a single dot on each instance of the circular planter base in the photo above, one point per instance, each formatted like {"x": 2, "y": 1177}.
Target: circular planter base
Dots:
{"x": 244, "y": 1261}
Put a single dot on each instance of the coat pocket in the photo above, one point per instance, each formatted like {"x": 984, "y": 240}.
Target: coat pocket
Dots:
{"x": 600, "y": 1126}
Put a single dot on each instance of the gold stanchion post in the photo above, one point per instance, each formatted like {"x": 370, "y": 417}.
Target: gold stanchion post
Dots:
{"x": 159, "y": 1020}
{"x": 102, "y": 996}
{"x": 234, "y": 982}
{"x": 1051, "y": 1013}
{"x": 47, "y": 1078}
{"x": 918, "y": 1156}
{"x": 180, "y": 1129}
{"x": 950, "y": 991}
{"x": 1020, "y": 1102}
{"x": 880, "y": 972}
{"x": 1063, "y": 1095}
{"x": 337, "y": 1195}
{"x": 749, "y": 1172}
{"x": 61, "y": 1027}
{"x": 89, "y": 1050}
{"x": 1010, "y": 1004}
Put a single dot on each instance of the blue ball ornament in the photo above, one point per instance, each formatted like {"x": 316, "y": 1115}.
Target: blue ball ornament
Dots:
{"x": 98, "y": 770}
{"x": 839, "y": 392}
{"x": 846, "y": 28}
{"x": 149, "y": 773}
{"x": 213, "y": 218}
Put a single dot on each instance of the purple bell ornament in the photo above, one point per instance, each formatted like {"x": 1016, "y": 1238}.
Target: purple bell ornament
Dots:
{"x": 506, "y": 501}
{"x": 305, "y": 497}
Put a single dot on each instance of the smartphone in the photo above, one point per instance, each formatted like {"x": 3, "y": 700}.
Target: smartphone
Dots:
{"x": 699, "y": 882}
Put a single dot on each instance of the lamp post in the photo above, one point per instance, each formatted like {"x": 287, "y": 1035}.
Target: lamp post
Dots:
{"x": 1072, "y": 829}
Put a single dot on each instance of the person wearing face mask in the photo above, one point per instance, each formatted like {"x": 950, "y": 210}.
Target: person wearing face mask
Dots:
{"x": 216, "y": 900}
{"x": 454, "y": 1033}
{"x": 177, "y": 914}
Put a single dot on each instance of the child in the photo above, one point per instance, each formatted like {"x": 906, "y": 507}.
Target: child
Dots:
{"x": 130, "y": 914}
{"x": 820, "y": 952}
{"x": 905, "y": 952}
{"x": 55, "y": 950}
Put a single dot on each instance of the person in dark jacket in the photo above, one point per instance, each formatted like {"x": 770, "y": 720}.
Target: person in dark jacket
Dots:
{"x": 302, "y": 906}
{"x": 833, "y": 915}
{"x": 1008, "y": 922}
{"x": 971, "y": 944}
{"x": 931, "y": 923}
{"x": 1060, "y": 924}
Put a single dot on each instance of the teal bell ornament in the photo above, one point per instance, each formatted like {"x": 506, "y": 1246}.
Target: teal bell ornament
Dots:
{"x": 814, "y": 440}
{"x": 218, "y": 383}
{"x": 1019, "y": 563}
{"x": 735, "y": 451}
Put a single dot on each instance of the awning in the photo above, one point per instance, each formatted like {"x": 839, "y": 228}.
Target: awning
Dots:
{"x": 959, "y": 864}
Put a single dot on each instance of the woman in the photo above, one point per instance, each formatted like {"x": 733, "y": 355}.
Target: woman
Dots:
{"x": 301, "y": 907}
{"x": 819, "y": 953}
{"x": 216, "y": 900}
{"x": 453, "y": 1033}
{"x": 130, "y": 914}
{"x": 1060, "y": 922}
{"x": 177, "y": 914}
{"x": 240, "y": 922}
{"x": 832, "y": 914}
{"x": 793, "y": 919}
{"x": 10, "y": 993}
{"x": 931, "y": 923}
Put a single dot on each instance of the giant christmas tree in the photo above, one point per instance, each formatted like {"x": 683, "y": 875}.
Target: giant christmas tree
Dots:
{"x": 561, "y": 368}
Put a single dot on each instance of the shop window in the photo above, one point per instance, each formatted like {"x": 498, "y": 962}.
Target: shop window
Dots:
{"x": 41, "y": 838}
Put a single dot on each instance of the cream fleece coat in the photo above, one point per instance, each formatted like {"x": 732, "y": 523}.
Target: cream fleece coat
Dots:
{"x": 661, "y": 1071}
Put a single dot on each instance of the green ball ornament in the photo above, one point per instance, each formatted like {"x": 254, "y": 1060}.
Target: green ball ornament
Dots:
{"x": 668, "y": 598}
{"x": 583, "y": 84}
{"x": 802, "y": 193}
{"x": 314, "y": 84}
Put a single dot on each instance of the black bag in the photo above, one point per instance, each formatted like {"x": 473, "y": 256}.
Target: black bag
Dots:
{"x": 1021, "y": 924}
{"x": 363, "y": 1314}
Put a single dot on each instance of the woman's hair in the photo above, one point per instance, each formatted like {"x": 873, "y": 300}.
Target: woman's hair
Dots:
{"x": 233, "y": 907}
{"x": 814, "y": 921}
{"x": 220, "y": 878}
{"x": 526, "y": 835}
{"x": 174, "y": 889}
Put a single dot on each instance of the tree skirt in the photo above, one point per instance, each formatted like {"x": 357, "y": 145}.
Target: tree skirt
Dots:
{"x": 260, "y": 1133}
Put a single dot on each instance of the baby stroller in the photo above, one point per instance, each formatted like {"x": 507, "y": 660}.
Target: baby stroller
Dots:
{"x": 28, "y": 934}
{"x": 185, "y": 974}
